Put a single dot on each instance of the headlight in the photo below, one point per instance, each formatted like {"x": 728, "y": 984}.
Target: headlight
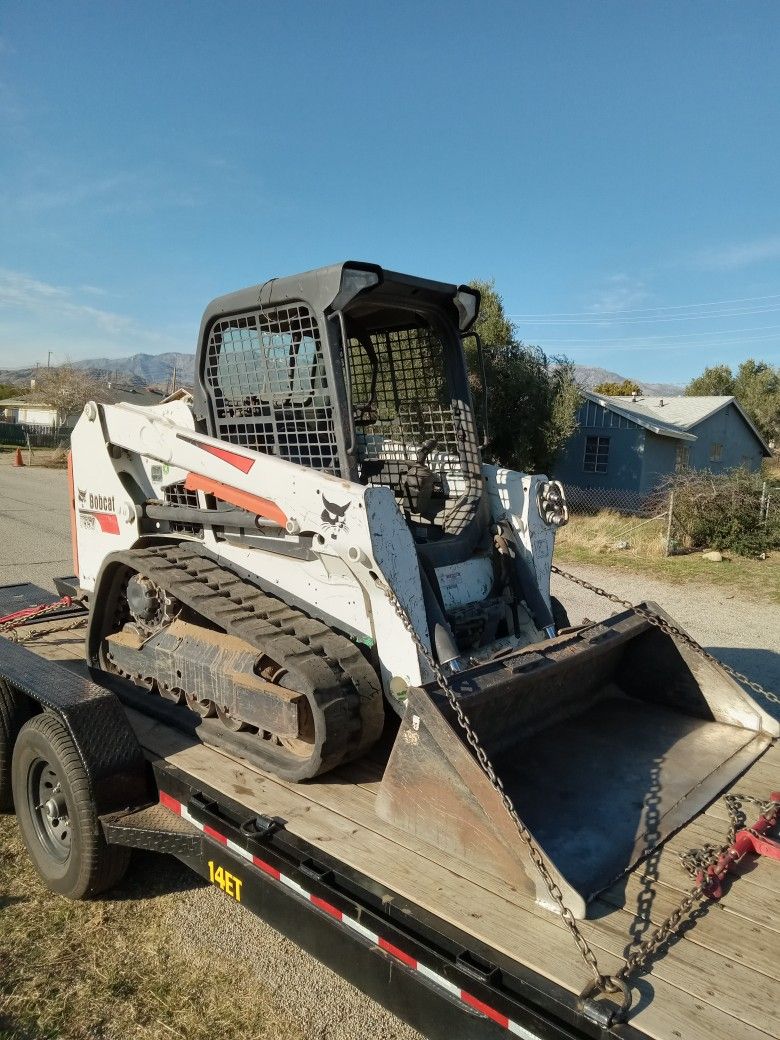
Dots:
{"x": 551, "y": 500}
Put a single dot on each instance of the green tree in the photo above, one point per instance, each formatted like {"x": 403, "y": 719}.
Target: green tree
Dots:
{"x": 532, "y": 398}
{"x": 624, "y": 389}
{"x": 715, "y": 381}
{"x": 9, "y": 390}
{"x": 756, "y": 386}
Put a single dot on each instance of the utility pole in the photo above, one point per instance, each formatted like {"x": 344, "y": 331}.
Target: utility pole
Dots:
{"x": 173, "y": 381}
{"x": 48, "y": 363}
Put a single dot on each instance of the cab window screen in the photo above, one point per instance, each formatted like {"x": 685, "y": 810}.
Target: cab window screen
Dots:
{"x": 268, "y": 387}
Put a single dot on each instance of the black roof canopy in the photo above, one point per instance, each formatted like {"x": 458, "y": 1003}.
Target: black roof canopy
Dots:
{"x": 332, "y": 288}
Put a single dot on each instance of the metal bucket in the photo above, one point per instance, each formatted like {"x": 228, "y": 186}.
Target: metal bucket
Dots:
{"x": 606, "y": 741}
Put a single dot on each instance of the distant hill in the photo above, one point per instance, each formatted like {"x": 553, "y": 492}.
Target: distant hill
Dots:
{"x": 145, "y": 368}
{"x": 142, "y": 370}
{"x": 588, "y": 377}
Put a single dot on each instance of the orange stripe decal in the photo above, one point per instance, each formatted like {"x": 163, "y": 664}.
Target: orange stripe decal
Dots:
{"x": 236, "y": 497}
{"x": 74, "y": 538}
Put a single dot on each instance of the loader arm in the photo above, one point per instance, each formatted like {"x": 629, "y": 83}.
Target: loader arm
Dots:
{"x": 354, "y": 535}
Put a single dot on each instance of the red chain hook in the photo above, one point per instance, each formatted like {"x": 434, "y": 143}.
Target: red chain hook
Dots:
{"x": 749, "y": 839}
{"x": 20, "y": 615}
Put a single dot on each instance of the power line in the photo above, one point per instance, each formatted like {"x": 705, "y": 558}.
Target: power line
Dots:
{"x": 632, "y": 348}
{"x": 596, "y": 321}
{"x": 646, "y": 310}
{"x": 676, "y": 336}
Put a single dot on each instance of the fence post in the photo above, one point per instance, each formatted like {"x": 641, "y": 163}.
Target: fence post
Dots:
{"x": 669, "y": 524}
{"x": 763, "y": 509}
{"x": 29, "y": 448}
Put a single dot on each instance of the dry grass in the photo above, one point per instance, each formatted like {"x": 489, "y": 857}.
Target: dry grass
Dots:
{"x": 110, "y": 969}
{"x": 48, "y": 458}
{"x": 592, "y": 539}
{"x": 601, "y": 533}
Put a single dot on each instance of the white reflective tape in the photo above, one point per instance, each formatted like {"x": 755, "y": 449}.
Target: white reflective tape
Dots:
{"x": 439, "y": 980}
{"x": 517, "y": 1030}
{"x": 239, "y": 851}
{"x": 356, "y": 926}
{"x": 289, "y": 883}
{"x": 186, "y": 815}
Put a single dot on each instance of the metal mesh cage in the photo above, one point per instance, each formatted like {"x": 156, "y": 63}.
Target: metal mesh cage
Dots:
{"x": 178, "y": 495}
{"x": 402, "y": 402}
{"x": 266, "y": 378}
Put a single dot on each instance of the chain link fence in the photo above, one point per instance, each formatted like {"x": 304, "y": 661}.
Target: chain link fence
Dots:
{"x": 735, "y": 511}
{"x": 591, "y": 500}
{"x": 770, "y": 503}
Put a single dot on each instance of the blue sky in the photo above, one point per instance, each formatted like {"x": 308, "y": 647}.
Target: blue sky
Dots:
{"x": 615, "y": 166}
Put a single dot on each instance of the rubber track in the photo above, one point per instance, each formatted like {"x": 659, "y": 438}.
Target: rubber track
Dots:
{"x": 342, "y": 683}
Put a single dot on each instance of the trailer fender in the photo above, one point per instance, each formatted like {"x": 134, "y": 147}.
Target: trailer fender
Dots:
{"x": 109, "y": 751}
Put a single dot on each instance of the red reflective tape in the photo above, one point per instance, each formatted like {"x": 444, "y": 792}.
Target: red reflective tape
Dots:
{"x": 170, "y": 803}
{"x": 327, "y": 907}
{"x": 214, "y": 834}
{"x": 398, "y": 954}
{"x": 262, "y": 865}
{"x": 109, "y": 523}
{"x": 231, "y": 457}
{"x": 485, "y": 1009}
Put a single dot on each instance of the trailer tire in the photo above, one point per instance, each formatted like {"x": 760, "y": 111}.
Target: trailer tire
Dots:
{"x": 57, "y": 815}
{"x": 14, "y": 712}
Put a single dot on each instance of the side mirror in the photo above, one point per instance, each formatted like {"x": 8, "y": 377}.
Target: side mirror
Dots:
{"x": 477, "y": 351}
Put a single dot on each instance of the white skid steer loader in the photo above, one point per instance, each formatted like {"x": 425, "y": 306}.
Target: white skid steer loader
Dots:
{"x": 277, "y": 560}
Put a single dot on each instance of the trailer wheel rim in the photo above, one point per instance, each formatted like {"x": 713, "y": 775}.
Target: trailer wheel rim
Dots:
{"x": 49, "y": 809}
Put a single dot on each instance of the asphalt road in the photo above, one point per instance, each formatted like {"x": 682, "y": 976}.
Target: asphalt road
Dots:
{"x": 34, "y": 524}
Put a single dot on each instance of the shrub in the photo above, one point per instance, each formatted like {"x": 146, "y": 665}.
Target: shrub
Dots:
{"x": 723, "y": 511}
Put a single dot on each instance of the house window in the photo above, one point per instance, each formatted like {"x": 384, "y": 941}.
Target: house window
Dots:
{"x": 683, "y": 457}
{"x": 716, "y": 450}
{"x": 596, "y": 454}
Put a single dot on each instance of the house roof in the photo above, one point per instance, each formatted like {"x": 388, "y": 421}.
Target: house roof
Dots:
{"x": 131, "y": 395}
{"x": 673, "y": 417}
{"x": 22, "y": 402}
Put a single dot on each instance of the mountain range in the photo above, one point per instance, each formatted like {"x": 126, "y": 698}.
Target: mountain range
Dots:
{"x": 142, "y": 370}
{"x": 588, "y": 377}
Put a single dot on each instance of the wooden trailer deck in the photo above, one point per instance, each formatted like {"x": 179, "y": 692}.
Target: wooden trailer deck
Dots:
{"x": 721, "y": 979}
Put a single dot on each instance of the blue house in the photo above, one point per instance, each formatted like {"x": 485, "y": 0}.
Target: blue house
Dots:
{"x": 629, "y": 444}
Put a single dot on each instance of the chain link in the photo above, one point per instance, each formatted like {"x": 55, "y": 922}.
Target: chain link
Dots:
{"x": 38, "y": 633}
{"x": 25, "y": 619}
{"x": 699, "y": 859}
{"x": 603, "y": 983}
{"x": 671, "y": 630}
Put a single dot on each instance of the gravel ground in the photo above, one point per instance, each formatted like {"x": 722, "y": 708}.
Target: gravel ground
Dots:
{"x": 327, "y": 1007}
{"x": 35, "y": 546}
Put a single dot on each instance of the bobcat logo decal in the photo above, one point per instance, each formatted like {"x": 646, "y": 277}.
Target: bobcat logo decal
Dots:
{"x": 82, "y": 497}
{"x": 333, "y": 516}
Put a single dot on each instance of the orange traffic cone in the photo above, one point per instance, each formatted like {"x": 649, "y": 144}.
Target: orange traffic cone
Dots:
{"x": 18, "y": 460}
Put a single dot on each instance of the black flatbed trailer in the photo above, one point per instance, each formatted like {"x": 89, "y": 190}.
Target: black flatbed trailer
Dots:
{"x": 441, "y": 977}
